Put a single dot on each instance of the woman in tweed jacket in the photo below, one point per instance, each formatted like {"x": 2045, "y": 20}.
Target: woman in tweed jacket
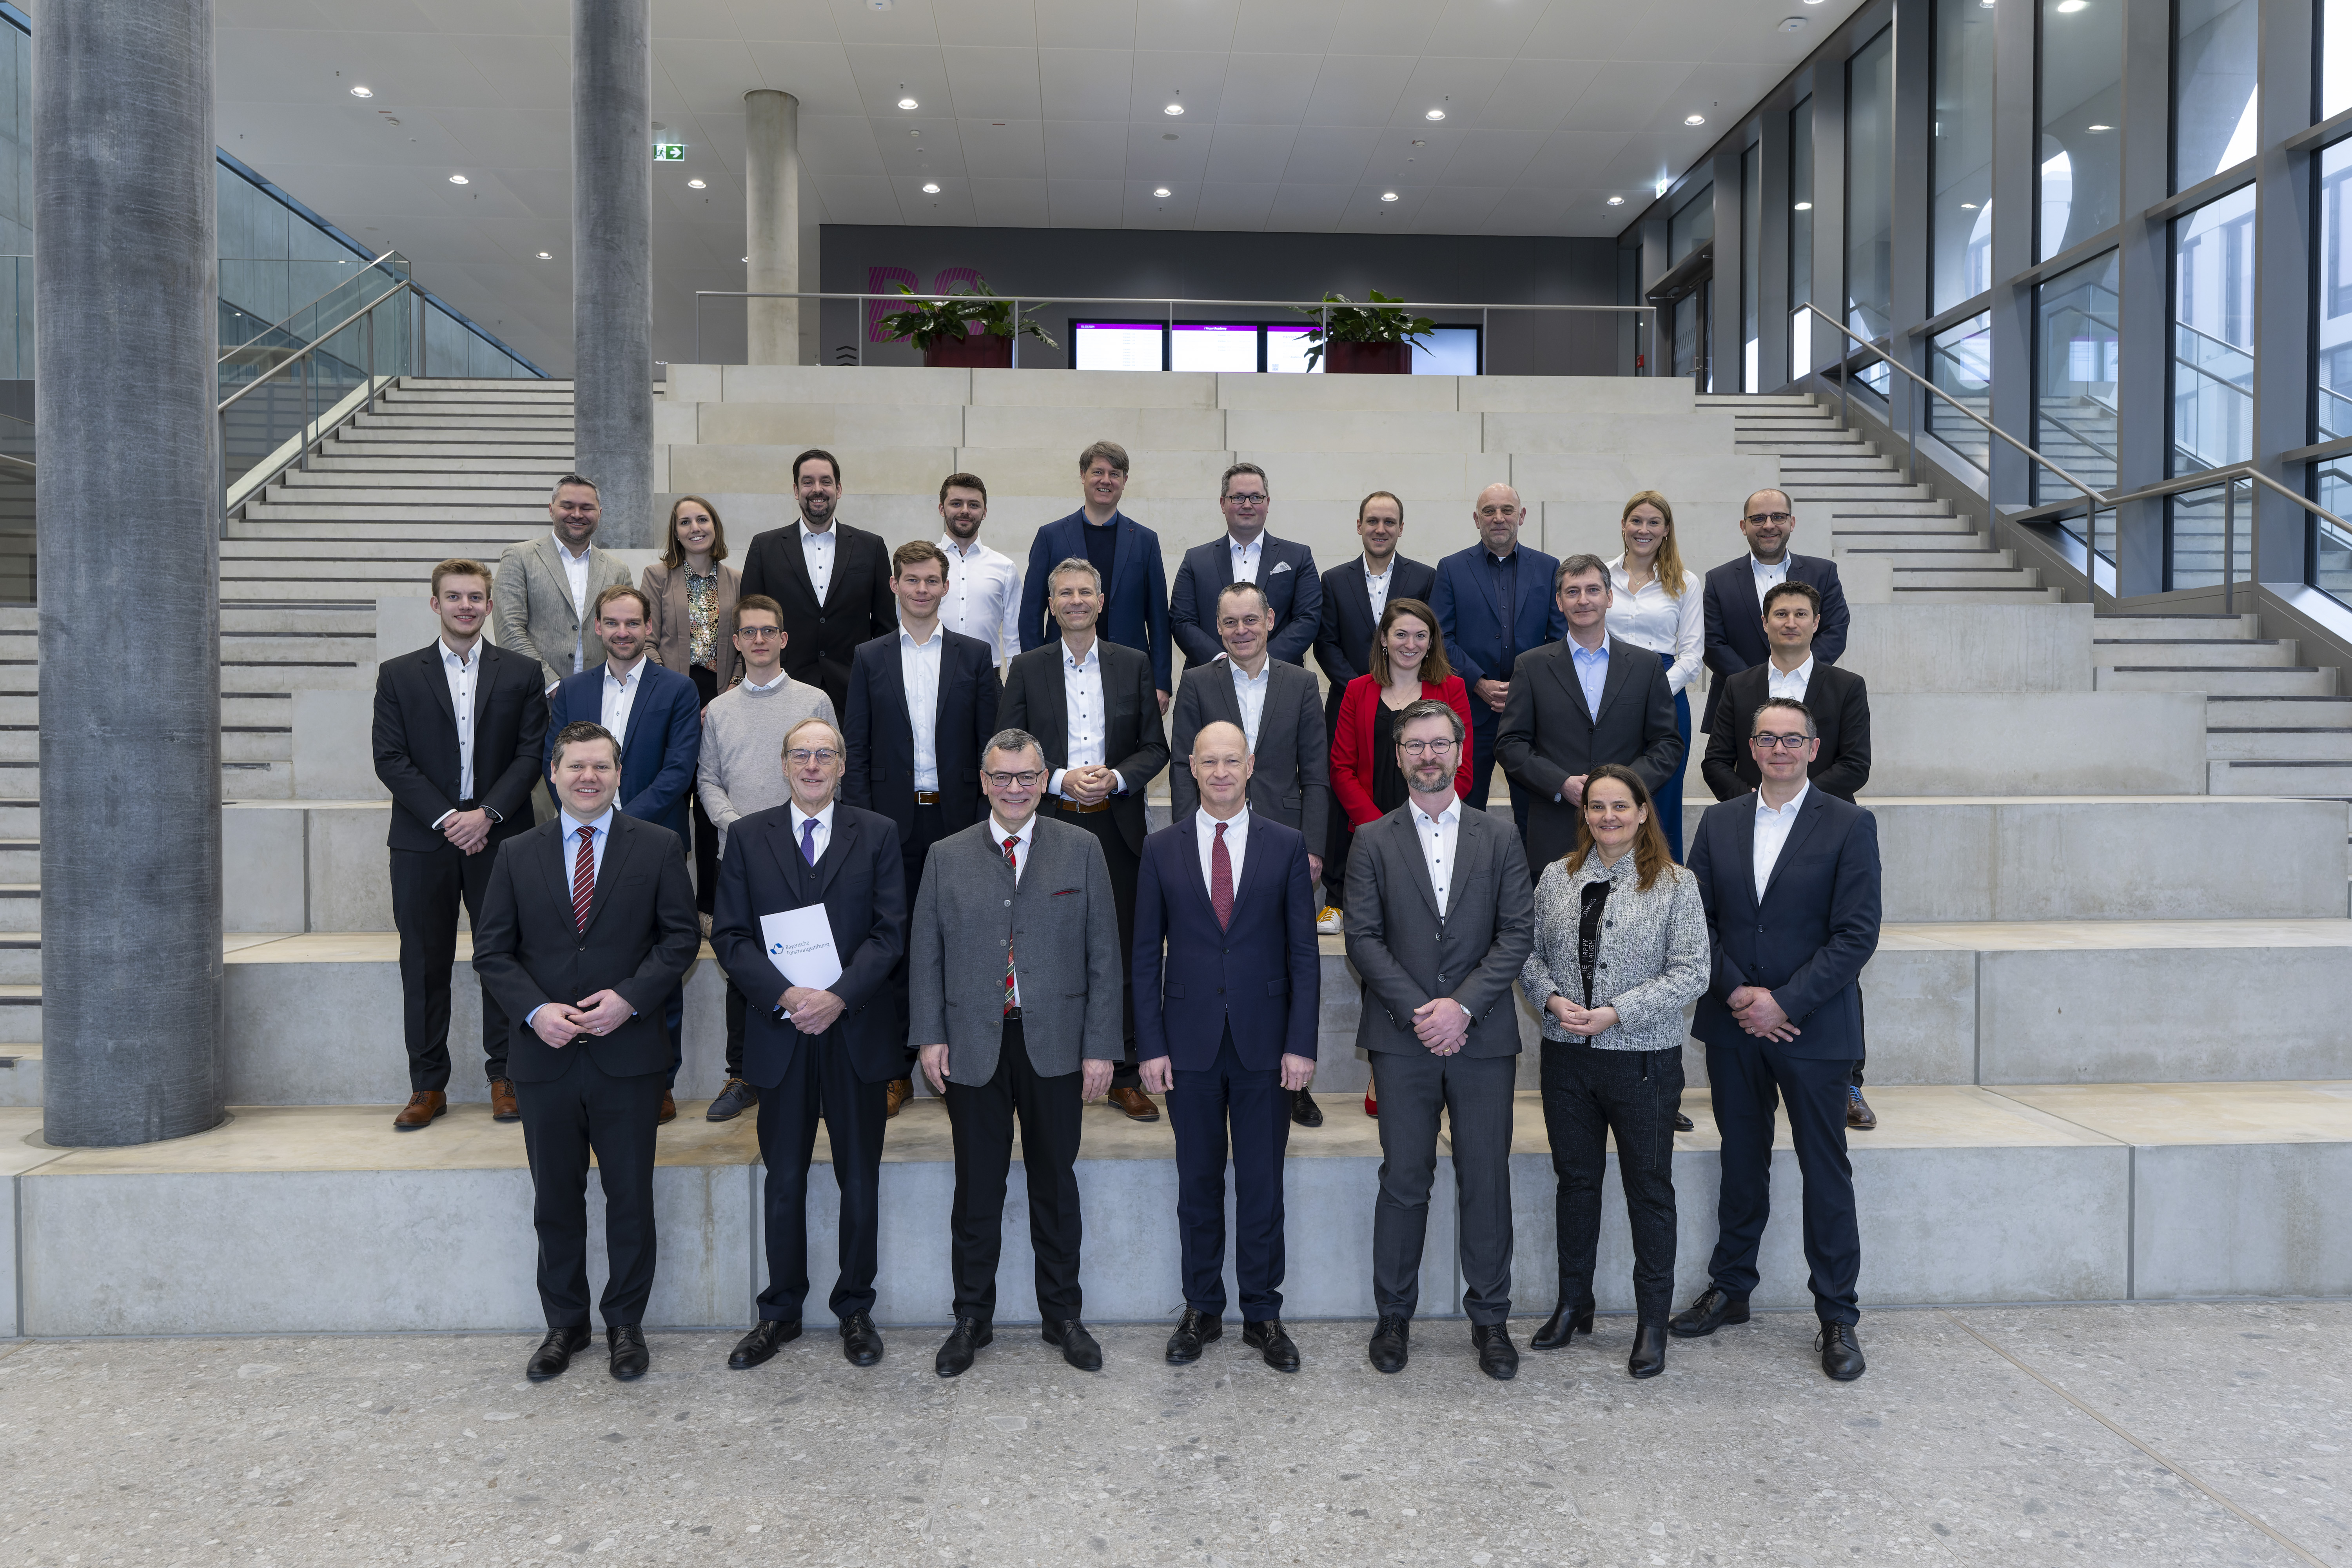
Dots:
{"x": 1621, "y": 947}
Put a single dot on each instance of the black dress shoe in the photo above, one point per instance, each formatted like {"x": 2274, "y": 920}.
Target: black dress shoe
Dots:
{"x": 1498, "y": 1357}
{"x": 1078, "y": 1347}
{"x": 768, "y": 1336}
{"x": 1841, "y": 1351}
{"x": 1649, "y": 1357}
{"x": 1388, "y": 1347}
{"x": 1683, "y": 1123}
{"x": 1304, "y": 1111}
{"x": 1193, "y": 1329}
{"x": 1715, "y": 1307}
{"x": 1268, "y": 1339}
{"x": 956, "y": 1351}
{"x": 555, "y": 1351}
{"x": 861, "y": 1341}
{"x": 1562, "y": 1326}
{"x": 630, "y": 1358}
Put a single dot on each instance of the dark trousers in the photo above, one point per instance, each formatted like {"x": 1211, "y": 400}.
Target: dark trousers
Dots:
{"x": 821, "y": 1080}
{"x": 1336, "y": 845}
{"x": 1124, "y": 865}
{"x": 1474, "y": 1093}
{"x": 428, "y": 886}
{"x": 1667, "y": 799}
{"x": 1748, "y": 1080}
{"x": 1861, "y": 1042}
{"x": 1484, "y": 724}
{"x": 705, "y": 833}
{"x": 1588, "y": 1094}
{"x": 1255, "y": 1107}
{"x": 929, "y": 825}
{"x": 736, "y": 1008}
{"x": 563, "y": 1121}
{"x": 981, "y": 1117}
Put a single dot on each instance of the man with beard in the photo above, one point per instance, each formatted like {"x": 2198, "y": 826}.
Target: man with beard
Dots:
{"x": 834, "y": 581}
{"x": 983, "y": 598}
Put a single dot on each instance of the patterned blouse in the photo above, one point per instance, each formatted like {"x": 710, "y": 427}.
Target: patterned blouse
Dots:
{"x": 702, "y": 615}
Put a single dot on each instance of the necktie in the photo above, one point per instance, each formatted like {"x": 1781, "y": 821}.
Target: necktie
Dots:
{"x": 583, "y": 877}
{"x": 1221, "y": 880}
{"x": 1011, "y": 845}
{"x": 808, "y": 840}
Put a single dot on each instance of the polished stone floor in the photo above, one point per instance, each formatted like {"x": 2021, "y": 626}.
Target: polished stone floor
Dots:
{"x": 2144, "y": 1435}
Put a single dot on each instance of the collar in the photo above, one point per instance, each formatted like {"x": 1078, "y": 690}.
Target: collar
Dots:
{"x": 602, "y": 824}
{"x": 998, "y": 833}
{"x": 1500, "y": 560}
{"x": 1584, "y": 655}
{"x": 1240, "y": 674}
{"x": 635, "y": 670}
{"x": 1250, "y": 544}
{"x": 907, "y": 638}
{"x": 1594, "y": 871}
{"x": 763, "y": 688}
{"x": 1789, "y": 810}
{"x": 1451, "y": 814}
{"x": 466, "y": 660}
{"x": 811, "y": 530}
{"x": 1756, "y": 564}
{"x": 1383, "y": 571}
{"x": 567, "y": 554}
{"x": 960, "y": 552}
{"x": 1803, "y": 671}
{"x": 823, "y": 815}
{"x": 1092, "y": 662}
{"x": 1238, "y": 822}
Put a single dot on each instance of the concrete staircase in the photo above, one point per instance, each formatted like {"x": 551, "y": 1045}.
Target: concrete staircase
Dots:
{"x": 2272, "y": 726}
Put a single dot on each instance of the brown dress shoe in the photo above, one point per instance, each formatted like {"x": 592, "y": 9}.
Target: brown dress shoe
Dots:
{"x": 1135, "y": 1103}
{"x": 1858, "y": 1114}
{"x": 896, "y": 1093}
{"x": 422, "y": 1108}
{"x": 669, "y": 1108}
{"x": 502, "y": 1100}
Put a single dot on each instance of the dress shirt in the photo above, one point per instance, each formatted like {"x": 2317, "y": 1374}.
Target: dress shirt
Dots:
{"x": 919, "y": 667}
{"x": 768, "y": 685}
{"x": 461, "y": 669}
{"x": 1772, "y": 833}
{"x": 1791, "y": 685}
{"x": 1083, "y": 710}
{"x": 1439, "y": 834}
{"x": 1768, "y": 577}
{"x": 572, "y": 826}
{"x": 575, "y": 575}
{"x": 620, "y": 696}
{"x": 1504, "y": 571}
{"x": 983, "y": 598}
{"x": 1250, "y": 692}
{"x": 997, "y": 833}
{"x": 1665, "y": 624}
{"x": 1237, "y": 844}
{"x": 824, "y": 820}
{"x": 1244, "y": 557}
{"x": 1376, "y": 586}
{"x": 1591, "y": 671}
{"x": 817, "y": 550}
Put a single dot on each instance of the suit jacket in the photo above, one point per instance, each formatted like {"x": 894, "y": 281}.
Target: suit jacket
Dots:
{"x": 1406, "y": 953}
{"x": 1064, "y": 931}
{"x": 1286, "y": 570}
{"x": 416, "y": 741}
{"x": 659, "y": 751}
{"x": 672, "y": 638}
{"x": 1840, "y": 708}
{"x": 641, "y": 934}
{"x": 1343, "y": 644}
{"x": 1290, "y": 780}
{"x": 1136, "y": 613}
{"x": 1735, "y": 620}
{"x": 881, "y": 737}
{"x": 1548, "y": 734}
{"x": 1352, "y": 742}
{"x": 821, "y": 638}
{"x": 1470, "y": 615}
{"x": 1134, "y": 741}
{"x": 531, "y": 610}
{"x": 1261, "y": 977}
{"x": 1807, "y": 939}
{"x": 863, "y": 887}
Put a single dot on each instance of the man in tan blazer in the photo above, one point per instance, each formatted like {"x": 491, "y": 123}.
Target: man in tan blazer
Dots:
{"x": 539, "y": 599}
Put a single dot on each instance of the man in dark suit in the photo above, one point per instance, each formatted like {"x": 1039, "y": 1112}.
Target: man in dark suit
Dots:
{"x": 1789, "y": 877}
{"x": 460, "y": 727}
{"x": 1091, "y": 704}
{"x": 922, "y": 702}
{"x": 822, "y": 1035}
{"x": 1125, "y": 557}
{"x": 833, "y": 580}
{"x": 1441, "y": 916}
{"x": 1228, "y": 1025}
{"x": 588, "y": 923}
{"x": 1735, "y": 634}
{"x": 1493, "y": 602}
{"x": 1577, "y": 703}
{"x": 1283, "y": 569}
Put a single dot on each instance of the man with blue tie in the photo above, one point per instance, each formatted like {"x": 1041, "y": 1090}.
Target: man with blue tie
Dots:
{"x": 1124, "y": 554}
{"x": 1283, "y": 569}
{"x": 1226, "y": 1028}
{"x": 1493, "y": 602}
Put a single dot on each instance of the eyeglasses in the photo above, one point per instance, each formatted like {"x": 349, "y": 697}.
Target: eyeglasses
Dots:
{"x": 1768, "y": 739}
{"x": 759, "y": 633}
{"x": 1014, "y": 781}
{"x": 1760, "y": 518}
{"x": 1245, "y": 500}
{"x": 1426, "y": 748}
{"x": 802, "y": 758}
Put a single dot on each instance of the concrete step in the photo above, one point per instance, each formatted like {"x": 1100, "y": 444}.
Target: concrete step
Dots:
{"x": 526, "y": 396}
{"x": 1795, "y": 440}
{"x": 20, "y": 862}
{"x": 20, "y": 960}
{"x": 20, "y": 906}
{"x": 453, "y": 533}
{"x": 330, "y": 550}
{"x": 310, "y": 574}
{"x": 1816, "y": 496}
{"x": 1867, "y": 466}
{"x": 2267, "y": 712}
{"x": 361, "y": 489}
{"x": 2179, "y": 628}
{"x": 1845, "y": 513}
{"x": 1919, "y": 555}
{"x": 1972, "y": 578}
{"x": 2199, "y": 653}
{"x": 322, "y": 482}
{"x": 409, "y": 449}
{"x": 2283, "y": 745}
{"x": 20, "y": 1017}
{"x": 256, "y": 780}
{"x": 301, "y": 675}
{"x": 239, "y": 742}
{"x": 477, "y": 417}
{"x": 510, "y": 519}
{"x": 1926, "y": 532}
{"x": 2331, "y": 781}
{"x": 2224, "y": 680}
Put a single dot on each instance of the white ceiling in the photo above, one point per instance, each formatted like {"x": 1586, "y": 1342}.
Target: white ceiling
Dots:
{"x": 1300, "y": 114}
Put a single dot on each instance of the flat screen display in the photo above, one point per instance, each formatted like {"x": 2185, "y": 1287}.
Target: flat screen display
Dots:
{"x": 1447, "y": 351}
{"x": 1286, "y": 351}
{"x": 1206, "y": 345}
{"x": 1118, "y": 345}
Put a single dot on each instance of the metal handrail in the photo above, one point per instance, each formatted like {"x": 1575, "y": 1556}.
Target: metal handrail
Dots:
{"x": 307, "y": 350}
{"x": 279, "y": 325}
{"x": 311, "y": 436}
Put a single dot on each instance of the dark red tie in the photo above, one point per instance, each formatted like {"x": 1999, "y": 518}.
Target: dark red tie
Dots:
{"x": 1221, "y": 880}
{"x": 583, "y": 877}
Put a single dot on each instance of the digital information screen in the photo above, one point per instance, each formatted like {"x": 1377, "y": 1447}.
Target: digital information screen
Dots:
{"x": 1235, "y": 346}
{"x": 1448, "y": 351}
{"x": 1204, "y": 345}
{"x": 1118, "y": 345}
{"x": 1286, "y": 351}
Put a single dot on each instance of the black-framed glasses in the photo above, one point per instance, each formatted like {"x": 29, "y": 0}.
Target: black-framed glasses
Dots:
{"x": 1760, "y": 518}
{"x": 1426, "y": 748}
{"x": 759, "y": 633}
{"x": 1768, "y": 739}
{"x": 1014, "y": 781}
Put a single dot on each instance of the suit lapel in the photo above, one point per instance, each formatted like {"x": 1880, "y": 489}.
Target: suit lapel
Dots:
{"x": 564, "y": 845}
{"x": 1816, "y": 803}
{"x": 839, "y": 844}
{"x": 485, "y": 675}
{"x": 1418, "y": 874}
{"x": 1122, "y": 561}
{"x": 1619, "y": 671}
{"x": 1055, "y": 728}
{"x": 796, "y": 560}
{"x": 617, "y": 845}
{"x": 1193, "y": 877}
{"x": 1571, "y": 680}
{"x": 436, "y": 680}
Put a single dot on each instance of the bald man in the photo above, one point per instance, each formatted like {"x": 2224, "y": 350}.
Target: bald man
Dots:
{"x": 1494, "y": 603}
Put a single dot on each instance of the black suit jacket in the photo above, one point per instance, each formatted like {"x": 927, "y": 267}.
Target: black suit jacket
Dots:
{"x": 1290, "y": 778}
{"x": 821, "y": 640}
{"x": 1547, "y": 735}
{"x": 881, "y": 738}
{"x": 641, "y": 934}
{"x": 1840, "y": 708}
{"x": 1135, "y": 743}
{"x": 1735, "y": 620}
{"x": 1286, "y": 570}
{"x": 864, "y": 890}
{"x": 416, "y": 741}
{"x": 1343, "y": 645}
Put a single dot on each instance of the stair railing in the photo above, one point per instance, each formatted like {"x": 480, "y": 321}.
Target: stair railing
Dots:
{"x": 316, "y": 427}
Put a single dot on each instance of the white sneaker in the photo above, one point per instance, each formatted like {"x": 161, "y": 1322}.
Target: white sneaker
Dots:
{"x": 1327, "y": 922}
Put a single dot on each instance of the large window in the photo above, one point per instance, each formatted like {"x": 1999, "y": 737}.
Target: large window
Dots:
{"x": 1870, "y": 185}
{"x": 2213, "y": 58}
{"x": 2331, "y": 413}
{"x": 1751, "y": 249}
{"x": 2075, "y": 375}
{"x": 1961, "y": 153}
{"x": 2331, "y": 553}
{"x": 1959, "y": 361}
{"x": 2334, "y": 59}
{"x": 2082, "y": 116}
{"x": 2213, "y": 334}
{"x": 1800, "y": 235}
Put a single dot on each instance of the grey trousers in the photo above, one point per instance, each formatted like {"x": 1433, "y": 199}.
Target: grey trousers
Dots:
{"x": 1474, "y": 1093}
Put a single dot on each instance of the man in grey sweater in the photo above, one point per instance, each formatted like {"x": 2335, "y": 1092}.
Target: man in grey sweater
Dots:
{"x": 742, "y": 771}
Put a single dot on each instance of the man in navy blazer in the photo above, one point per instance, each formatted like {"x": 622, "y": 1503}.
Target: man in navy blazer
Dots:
{"x": 1127, "y": 554}
{"x": 1493, "y": 602}
{"x": 1225, "y": 1029}
{"x": 826, "y": 1047}
{"x": 1734, "y": 600}
{"x": 1283, "y": 569}
{"x": 1790, "y": 877}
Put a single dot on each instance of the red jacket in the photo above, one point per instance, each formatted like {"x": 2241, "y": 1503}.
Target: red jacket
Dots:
{"x": 1352, "y": 744}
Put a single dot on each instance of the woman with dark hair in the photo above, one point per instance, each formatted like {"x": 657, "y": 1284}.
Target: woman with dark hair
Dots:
{"x": 1620, "y": 946}
{"x": 692, "y": 631}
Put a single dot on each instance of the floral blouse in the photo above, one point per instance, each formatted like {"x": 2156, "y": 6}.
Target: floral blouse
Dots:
{"x": 702, "y": 616}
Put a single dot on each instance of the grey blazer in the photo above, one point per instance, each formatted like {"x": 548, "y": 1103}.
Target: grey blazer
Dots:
{"x": 1063, "y": 929}
{"x": 1291, "y": 777}
{"x": 1653, "y": 960}
{"x": 1406, "y": 953}
{"x": 531, "y": 609}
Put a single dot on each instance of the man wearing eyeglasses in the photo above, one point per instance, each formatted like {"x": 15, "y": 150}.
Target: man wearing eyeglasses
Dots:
{"x": 1282, "y": 569}
{"x": 1734, "y": 601}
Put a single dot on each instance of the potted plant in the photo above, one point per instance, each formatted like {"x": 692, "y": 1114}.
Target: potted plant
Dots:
{"x": 967, "y": 328}
{"x": 1370, "y": 339}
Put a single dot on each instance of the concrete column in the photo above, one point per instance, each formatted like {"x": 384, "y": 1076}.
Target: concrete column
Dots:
{"x": 128, "y": 509}
{"x": 772, "y": 225}
{"x": 612, "y": 269}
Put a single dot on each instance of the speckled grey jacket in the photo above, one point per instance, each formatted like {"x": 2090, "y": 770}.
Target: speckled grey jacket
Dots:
{"x": 1653, "y": 959}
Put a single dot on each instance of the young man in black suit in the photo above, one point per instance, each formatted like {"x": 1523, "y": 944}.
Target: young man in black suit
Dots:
{"x": 833, "y": 580}
{"x": 1283, "y": 569}
{"x": 1735, "y": 633}
{"x": 460, "y": 726}
{"x": 588, "y": 924}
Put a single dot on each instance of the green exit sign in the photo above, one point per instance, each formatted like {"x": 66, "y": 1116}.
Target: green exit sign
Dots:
{"x": 669, "y": 152}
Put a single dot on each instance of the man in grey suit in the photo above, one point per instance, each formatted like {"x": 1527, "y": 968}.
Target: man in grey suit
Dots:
{"x": 1440, "y": 918}
{"x": 540, "y": 598}
{"x": 1014, "y": 994}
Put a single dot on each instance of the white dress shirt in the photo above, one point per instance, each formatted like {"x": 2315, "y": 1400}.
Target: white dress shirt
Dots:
{"x": 998, "y": 833}
{"x": 768, "y": 685}
{"x": 1791, "y": 685}
{"x": 1083, "y": 710}
{"x": 461, "y": 669}
{"x": 1250, "y": 692}
{"x": 572, "y": 826}
{"x": 983, "y": 597}
{"x": 1244, "y": 556}
{"x": 1768, "y": 577}
{"x": 1236, "y": 844}
{"x": 1773, "y": 834}
{"x": 1376, "y": 586}
{"x": 575, "y": 576}
{"x": 1665, "y": 624}
{"x": 824, "y": 820}
{"x": 817, "y": 550}
{"x": 919, "y": 667}
{"x": 620, "y": 697}
{"x": 1439, "y": 834}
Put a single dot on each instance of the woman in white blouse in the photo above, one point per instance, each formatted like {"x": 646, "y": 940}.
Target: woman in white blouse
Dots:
{"x": 1657, "y": 605}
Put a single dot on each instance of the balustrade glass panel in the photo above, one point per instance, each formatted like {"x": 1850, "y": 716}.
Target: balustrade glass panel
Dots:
{"x": 2075, "y": 375}
{"x": 1870, "y": 192}
{"x": 2331, "y": 555}
{"x": 2213, "y": 334}
{"x": 1959, "y": 361}
{"x": 1961, "y": 149}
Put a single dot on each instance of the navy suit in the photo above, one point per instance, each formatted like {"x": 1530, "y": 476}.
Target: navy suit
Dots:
{"x": 1489, "y": 613}
{"x": 1135, "y": 613}
{"x": 1735, "y": 620}
{"x": 1805, "y": 942}
{"x": 663, "y": 744}
{"x": 1286, "y": 570}
{"x": 1224, "y": 1006}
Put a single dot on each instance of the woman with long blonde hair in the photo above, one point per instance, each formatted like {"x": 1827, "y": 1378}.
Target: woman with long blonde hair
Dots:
{"x": 1657, "y": 606}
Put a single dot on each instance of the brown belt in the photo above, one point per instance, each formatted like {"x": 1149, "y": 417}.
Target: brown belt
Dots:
{"x": 927, "y": 797}
{"x": 1072, "y": 805}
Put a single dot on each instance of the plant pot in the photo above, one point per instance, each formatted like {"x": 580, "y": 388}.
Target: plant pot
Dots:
{"x": 1368, "y": 359}
{"x": 975, "y": 350}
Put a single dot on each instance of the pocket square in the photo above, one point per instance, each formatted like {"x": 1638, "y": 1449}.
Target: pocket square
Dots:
{"x": 1066, "y": 892}
{"x": 1279, "y": 566}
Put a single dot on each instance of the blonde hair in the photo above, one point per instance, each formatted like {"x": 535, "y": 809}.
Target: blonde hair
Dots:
{"x": 1671, "y": 577}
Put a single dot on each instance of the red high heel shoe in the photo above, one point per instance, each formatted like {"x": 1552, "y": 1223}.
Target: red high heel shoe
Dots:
{"x": 1371, "y": 1106}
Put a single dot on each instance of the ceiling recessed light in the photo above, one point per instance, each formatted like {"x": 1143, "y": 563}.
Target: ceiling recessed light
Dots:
{"x": 1616, "y": 201}
{"x": 1388, "y": 196}
{"x": 1804, "y": 206}
{"x": 1694, "y": 119}
{"x": 1968, "y": 207}
{"x": 1434, "y": 114}
{"x": 908, "y": 104}
{"x": 358, "y": 91}
{"x": 2095, "y": 128}
{"x": 2068, "y": 7}
{"x": 1173, "y": 109}
{"x": 695, "y": 186}
{"x": 459, "y": 180}
{"x": 1161, "y": 191}
{"x": 931, "y": 190}
{"x": 546, "y": 256}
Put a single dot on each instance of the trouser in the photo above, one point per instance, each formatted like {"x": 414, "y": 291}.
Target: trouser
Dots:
{"x": 1588, "y": 1094}
{"x": 705, "y": 833}
{"x": 1253, "y": 1105}
{"x": 928, "y": 827}
{"x": 821, "y": 1079}
{"x": 427, "y": 887}
{"x": 981, "y": 1117}
{"x": 1474, "y": 1093}
{"x": 737, "y": 1008}
{"x": 565, "y": 1120}
{"x": 1666, "y": 800}
{"x": 1861, "y": 1040}
{"x": 1747, "y": 1081}
{"x": 1485, "y": 722}
{"x": 1123, "y": 865}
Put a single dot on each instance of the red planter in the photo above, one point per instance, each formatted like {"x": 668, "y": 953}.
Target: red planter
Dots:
{"x": 977, "y": 351}
{"x": 1368, "y": 359}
